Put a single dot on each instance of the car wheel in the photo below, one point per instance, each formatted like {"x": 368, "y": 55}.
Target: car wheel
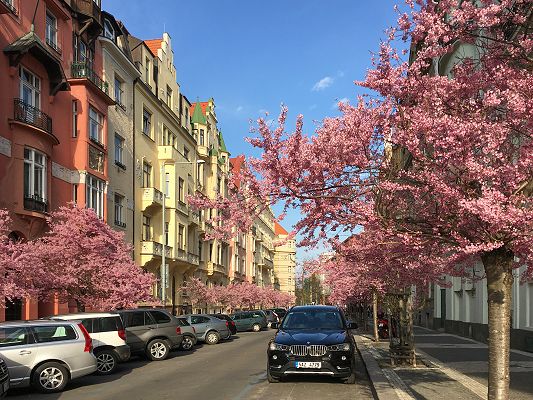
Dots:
{"x": 157, "y": 350}
{"x": 351, "y": 379}
{"x": 50, "y": 377}
{"x": 187, "y": 343}
{"x": 212, "y": 337}
{"x": 106, "y": 362}
{"x": 270, "y": 378}
{"x": 256, "y": 327}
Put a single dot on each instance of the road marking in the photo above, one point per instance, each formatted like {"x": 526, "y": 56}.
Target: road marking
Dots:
{"x": 399, "y": 386}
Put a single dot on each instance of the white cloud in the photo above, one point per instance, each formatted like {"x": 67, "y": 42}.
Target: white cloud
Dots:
{"x": 323, "y": 84}
{"x": 343, "y": 100}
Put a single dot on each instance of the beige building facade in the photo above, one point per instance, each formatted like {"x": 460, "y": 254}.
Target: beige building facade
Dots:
{"x": 285, "y": 261}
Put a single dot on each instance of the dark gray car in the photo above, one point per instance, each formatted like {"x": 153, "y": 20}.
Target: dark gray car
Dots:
{"x": 153, "y": 332}
{"x": 208, "y": 329}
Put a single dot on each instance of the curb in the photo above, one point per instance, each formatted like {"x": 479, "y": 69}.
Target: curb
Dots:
{"x": 381, "y": 386}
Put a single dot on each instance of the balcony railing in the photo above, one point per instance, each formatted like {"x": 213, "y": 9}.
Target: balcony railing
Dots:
{"x": 193, "y": 259}
{"x": 155, "y": 249}
{"x": 181, "y": 254}
{"x": 30, "y": 115}
{"x": 35, "y": 203}
{"x": 83, "y": 70}
{"x": 151, "y": 197}
{"x": 183, "y": 208}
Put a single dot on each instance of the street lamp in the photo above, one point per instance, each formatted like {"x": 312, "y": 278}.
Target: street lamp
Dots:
{"x": 164, "y": 269}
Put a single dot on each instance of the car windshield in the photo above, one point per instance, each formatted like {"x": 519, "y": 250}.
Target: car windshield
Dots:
{"x": 320, "y": 319}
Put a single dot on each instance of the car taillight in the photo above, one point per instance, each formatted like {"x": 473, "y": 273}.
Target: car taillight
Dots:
{"x": 88, "y": 341}
{"x": 178, "y": 330}
{"x": 227, "y": 323}
{"x": 122, "y": 334}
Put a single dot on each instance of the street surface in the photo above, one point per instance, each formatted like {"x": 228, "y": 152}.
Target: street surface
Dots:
{"x": 230, "y": 370}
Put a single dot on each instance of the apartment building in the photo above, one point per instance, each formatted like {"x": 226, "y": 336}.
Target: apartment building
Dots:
{"x": 284, "y": 260}
{"x": 53, "y": 118}
{"x": 212, "y": 171}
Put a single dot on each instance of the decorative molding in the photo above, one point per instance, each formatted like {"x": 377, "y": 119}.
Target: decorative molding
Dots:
{"x": 65, "y": 174}
{"x": 5, "y": 146}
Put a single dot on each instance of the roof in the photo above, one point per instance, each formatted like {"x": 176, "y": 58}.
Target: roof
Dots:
{"x": 203, "y": 106}
{"x": 236, "y": 164}
{"x": 279, "y": 230}
{"x": 153, "y": 45}
{"x": 221, "y": 143}
{"x": 198, "y": 113}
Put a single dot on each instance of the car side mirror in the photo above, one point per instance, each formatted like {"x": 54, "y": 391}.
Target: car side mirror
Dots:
{"x": 352, "y": 325}
{"x": 274, "y": 325}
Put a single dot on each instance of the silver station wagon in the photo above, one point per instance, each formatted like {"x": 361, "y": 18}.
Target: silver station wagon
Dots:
{"x": 46, "y": 354}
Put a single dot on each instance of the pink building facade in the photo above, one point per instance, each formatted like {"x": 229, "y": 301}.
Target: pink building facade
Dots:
{"x": 53, "y": 119}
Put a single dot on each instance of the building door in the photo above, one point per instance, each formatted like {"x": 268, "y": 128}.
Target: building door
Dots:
{"x": 13, "y": 310}
{"x": 442, "y": 307}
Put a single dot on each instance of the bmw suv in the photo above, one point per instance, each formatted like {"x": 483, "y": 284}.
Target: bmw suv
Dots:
{"x": 312, "y": 340}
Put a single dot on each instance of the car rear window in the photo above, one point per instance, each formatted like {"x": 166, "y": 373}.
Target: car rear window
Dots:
{"x": 14, "y": 337}
{"x": 107, "y": 324}
{"x": 183, "y": 322}
{"x": 53, "y": 333}
{"x": 135, "y": 318}
{"x": 160, "y": 317}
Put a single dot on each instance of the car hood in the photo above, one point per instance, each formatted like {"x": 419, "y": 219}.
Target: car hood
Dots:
{"x": 326, "y": 337}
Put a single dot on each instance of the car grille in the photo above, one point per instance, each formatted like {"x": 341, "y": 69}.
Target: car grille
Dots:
{"x": 3, "y": 369}
{"x": 313, "y": 350}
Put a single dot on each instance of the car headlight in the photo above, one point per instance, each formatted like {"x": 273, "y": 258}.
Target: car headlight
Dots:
{"x": 279, "y": 347}
{"x": 340, "y": 347}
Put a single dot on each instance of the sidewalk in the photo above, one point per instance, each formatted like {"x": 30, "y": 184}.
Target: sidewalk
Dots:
{"x": 448, "y": 366}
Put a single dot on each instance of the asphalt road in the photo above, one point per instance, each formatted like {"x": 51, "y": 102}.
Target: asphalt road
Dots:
{"x": 232, "y": 370}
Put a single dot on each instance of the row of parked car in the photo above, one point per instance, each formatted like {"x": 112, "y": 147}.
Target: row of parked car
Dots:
{"x": 49, "y": 352}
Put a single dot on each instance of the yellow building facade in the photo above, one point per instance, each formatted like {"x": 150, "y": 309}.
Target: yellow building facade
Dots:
{"x": 285, "y": 261}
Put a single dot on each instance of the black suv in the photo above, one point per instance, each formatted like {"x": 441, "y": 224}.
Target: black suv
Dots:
{"x": 312, "y": 340}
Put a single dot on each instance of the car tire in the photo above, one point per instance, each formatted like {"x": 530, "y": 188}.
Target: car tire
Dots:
{"x": 187, "y": 343}
{"x": 106, "y": 362}
{"x": 50, "y": 377}
{"x": 270, "y": 378}
{"x": 157, "y": 350}
{"x": 212, "y": 337}
{"x": 256, "y": 327}
{"x": 351, "y": 379}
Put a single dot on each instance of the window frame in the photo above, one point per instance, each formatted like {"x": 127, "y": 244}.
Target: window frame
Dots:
{"x": 119, "y": 150}
{"x": 98, "y": 124}
{"x": 147, "y": 175}
{"x": 52, "y": 41}
{"x": 147, "y": 123}
{"x": 119, "y": 209}
{"x": 33, "y": 165}
{"x": 96, "y": 185}
{"x": 146, "y": 233}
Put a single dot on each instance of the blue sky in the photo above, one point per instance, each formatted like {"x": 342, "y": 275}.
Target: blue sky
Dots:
{"x": 251, "y": 56}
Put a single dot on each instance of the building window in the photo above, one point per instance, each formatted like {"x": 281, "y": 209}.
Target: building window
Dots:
{"x": 74, "y": 118}
{"x": 82, "y": 52}
{"x": 147, "y": 229}
{"x": 75, "y": 193}
{"x": 166, "y": 233}
{"x": 147, "y": 70}
{"x": 186, "y": 153}
{"x": 34, "y": 176}
{"x": 96, "y": 124}
{"x": 95, "y": 195}
{"x": 147, "y": 175}
{"x": 30, "y": 88}
{"x": 181, "y": 237}
{"x": 169, "y": 96}
{"x": 119, "y": 92}
{"x": 168, "y": 138}
{"x": 167, "y": 185}
{"x": 237, "y": 263}
{"x": 119, "y": 150}
{"x": 210, "y": 252}
{"x": 51, "y": 30}
{"x": 109, "y": 32}
{"x": 181, "y": 194}
{"x": 200, "y": 248}
{"x": 119, "y": 211}
{"x": 202, "y": 137}
{"x": 147, "y": 123}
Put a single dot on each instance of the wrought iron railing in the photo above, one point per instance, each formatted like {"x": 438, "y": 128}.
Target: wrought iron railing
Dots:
{"x": 83, "y": 70}
{"x": 31, "y": 115}
{"x": 35, "y": 203}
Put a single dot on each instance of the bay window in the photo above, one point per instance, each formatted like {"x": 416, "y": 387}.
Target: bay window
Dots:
{"x": 96, "y": 124}
{"x": 34, "y": 179}
{"x": 95, "y": 195}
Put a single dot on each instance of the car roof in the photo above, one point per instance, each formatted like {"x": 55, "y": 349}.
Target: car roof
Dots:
{"x": 141, "y": 309}
{"x": 84, "y": 315}
{"x": 194, "y": 315}
{"x": 314, "y": 308}
{"x": 37, "y": 322}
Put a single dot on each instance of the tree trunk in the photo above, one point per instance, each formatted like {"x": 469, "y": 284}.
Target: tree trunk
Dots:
{"x": 498, "y": 268}
{"x": 80, "y": 306}
{"x": 375, "y": 315}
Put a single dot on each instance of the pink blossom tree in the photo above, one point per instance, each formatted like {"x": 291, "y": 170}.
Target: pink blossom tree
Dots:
{"x": 196, "y": 290}
{"x": 88, "y": 262}
{"x": 441, "y": 151}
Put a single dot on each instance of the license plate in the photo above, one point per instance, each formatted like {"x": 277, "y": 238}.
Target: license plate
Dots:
{"x": 308, "y": 364}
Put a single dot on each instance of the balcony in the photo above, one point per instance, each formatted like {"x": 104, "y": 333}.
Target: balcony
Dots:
{"x": 183, "y": 208}
{"x": 30, "y": 115}
{"x": 7, "y": 6}
{"x": 193, "y": 259}
{"x": 194, "y": 218}
{"x": 81, "y": 70}
{"x": 89, "y": 10}
{"x": 202, "y": 151}
{"x": 155, "y": 249}
{"x": 181, "y": 255}
{"x": 35, "y": 203}
{"x": 151, "y": 197}
{"x": 168, "y": 153}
